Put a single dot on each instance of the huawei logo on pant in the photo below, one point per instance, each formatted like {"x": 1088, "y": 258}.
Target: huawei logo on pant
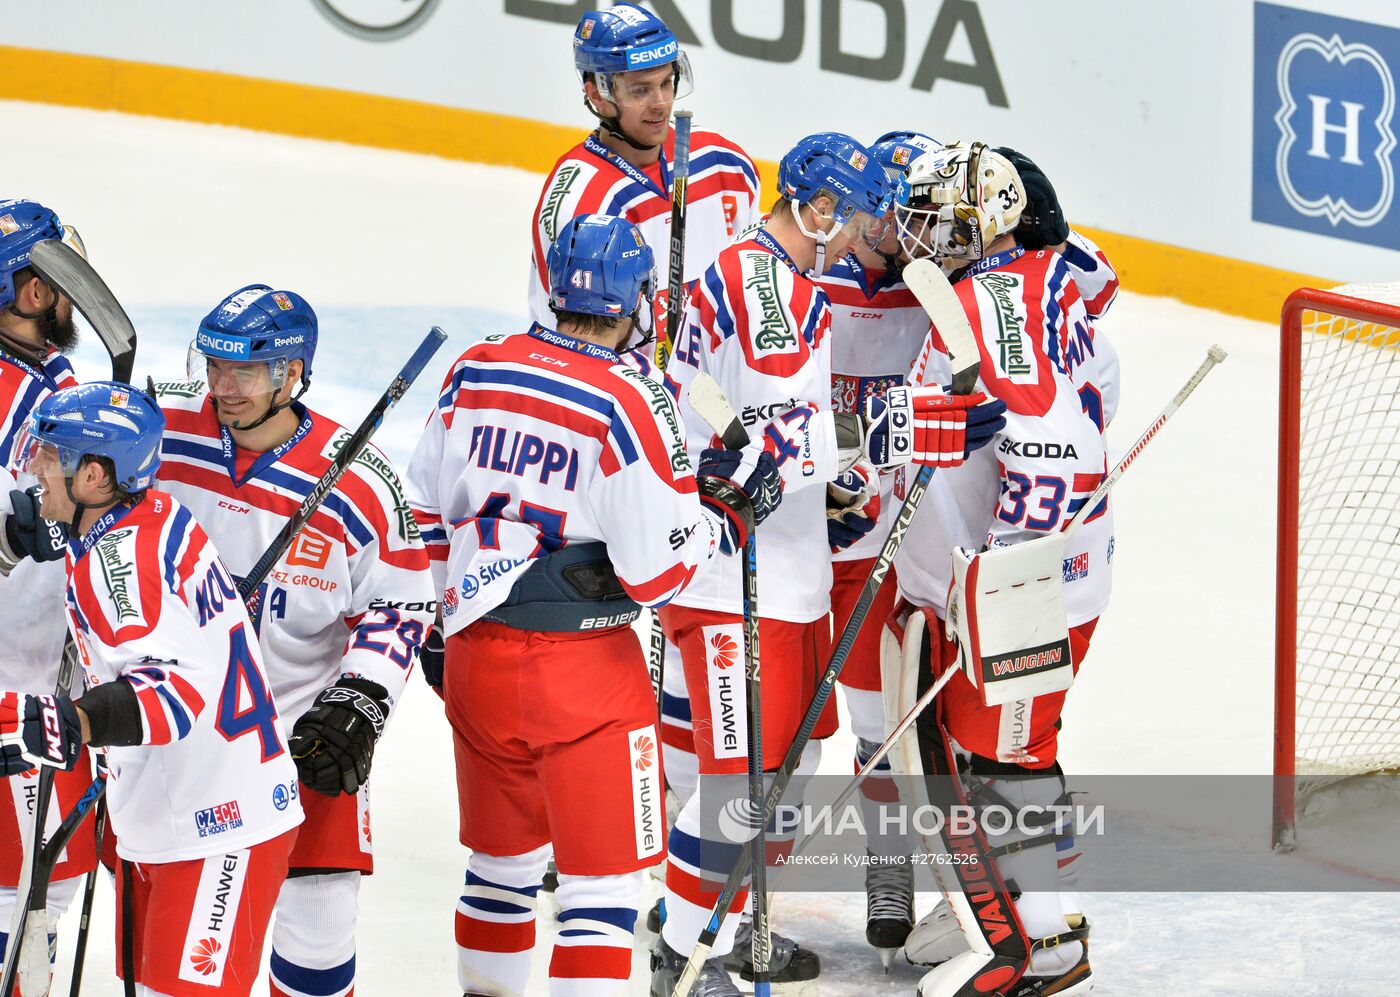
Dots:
{"x": 724, "y": 651}
{"x": 644, "y": 748}
{"x": 203, "y": 956}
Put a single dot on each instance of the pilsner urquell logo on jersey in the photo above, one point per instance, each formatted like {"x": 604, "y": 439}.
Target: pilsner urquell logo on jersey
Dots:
{"x": 1010, "y": 345}
{"x": 549, "y": 217}
{"x": 119, "y": 574}
{"x": 774, "y": 333}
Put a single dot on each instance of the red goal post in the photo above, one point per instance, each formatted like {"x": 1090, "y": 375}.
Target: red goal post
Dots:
{"x": 1337, "y": 640}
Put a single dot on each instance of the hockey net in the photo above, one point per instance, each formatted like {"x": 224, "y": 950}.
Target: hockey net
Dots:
{"x": 1337, "y": 688}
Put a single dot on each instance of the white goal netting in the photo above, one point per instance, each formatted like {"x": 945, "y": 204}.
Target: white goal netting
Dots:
{"x": 1348, "y": 583}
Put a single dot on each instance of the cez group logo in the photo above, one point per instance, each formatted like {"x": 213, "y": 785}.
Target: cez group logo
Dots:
{"x": 1324, "y": 125}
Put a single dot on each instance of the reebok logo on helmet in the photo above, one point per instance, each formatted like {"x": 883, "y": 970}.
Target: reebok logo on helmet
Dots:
{"x": 289, "y": 341}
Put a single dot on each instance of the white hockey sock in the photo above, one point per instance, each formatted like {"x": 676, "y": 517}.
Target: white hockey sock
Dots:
{"x": 677, "y": 735}
{"x": 496, "y": 921}
{"x": 593, "y": 947}
{"x": 313, "y": 937}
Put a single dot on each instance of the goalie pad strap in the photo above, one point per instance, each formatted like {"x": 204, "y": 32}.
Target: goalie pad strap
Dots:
{"x": 995, "y": 925}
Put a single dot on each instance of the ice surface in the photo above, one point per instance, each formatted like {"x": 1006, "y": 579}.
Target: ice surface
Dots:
{"x": 384, "y": 244}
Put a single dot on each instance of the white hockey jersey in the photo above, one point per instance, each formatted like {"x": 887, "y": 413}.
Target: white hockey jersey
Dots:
{"x": 1089, "y": 355}
{"x": 877, "y": 330}
{"x": 150, "y": 603}
{"x": 760, "y": 329}
{"x": 33, "y": 592}
{"x": 1038, "y": 472}
{"x": 539, "y": 440}
{"x": 353, "y": 595}
{"x": 721, "y": 200}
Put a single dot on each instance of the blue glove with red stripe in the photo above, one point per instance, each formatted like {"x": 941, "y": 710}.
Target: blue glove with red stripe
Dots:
{"x": 754, "y": 473}
{"x": 38, "y": 730}
{"x": 852, "y": 505}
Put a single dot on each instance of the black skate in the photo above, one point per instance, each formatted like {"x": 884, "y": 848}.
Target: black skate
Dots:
{"x": 889, "y": 904}
{"x": 788, "y": 962}
{"x": 667, "y": 965}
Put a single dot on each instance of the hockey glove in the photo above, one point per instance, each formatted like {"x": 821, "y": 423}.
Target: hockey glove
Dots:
{"x": 333, "y": 742}
{"x": 852, "y": 505}
{"x": 948, "y": 428}
{"x": 928, "y": 426}
{"x": 38, "y": 730}
{"x": 1043, "y": 221}
{"x": 431, "y": 657}
{"x": 26, "y": 534}
{"x": 754, "y": 473}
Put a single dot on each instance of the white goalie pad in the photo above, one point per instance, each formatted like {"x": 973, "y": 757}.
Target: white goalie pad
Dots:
{"x": 1008, "y": 610}
{"x": 899, "y": 685}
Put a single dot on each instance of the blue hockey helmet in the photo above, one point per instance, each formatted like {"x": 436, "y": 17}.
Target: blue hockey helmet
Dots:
{"x": 600, "y": 265}
{"x": 625, "y": 39}
{"x": 896, "y": 150}
{"x": 98, "y": 419}
{"x": 257, "y": 323}
{"x": 836, "y": 164}
{"x": 22, "y": 224}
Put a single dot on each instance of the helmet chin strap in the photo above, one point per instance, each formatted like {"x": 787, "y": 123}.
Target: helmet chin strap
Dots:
{"x": 272, "y": 409}
{"x": 818, "y": 236}
{"x": 46, "y": 317}
{"x": 613, "y": 125}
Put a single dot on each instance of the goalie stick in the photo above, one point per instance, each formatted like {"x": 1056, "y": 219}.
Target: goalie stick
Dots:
{"x": 940, "y": 301}
{"x": 1214, "y": 356}
{"x": 665, "y": 342}
{"x": 250, "y": 590}
{"x": 710, "y": 404}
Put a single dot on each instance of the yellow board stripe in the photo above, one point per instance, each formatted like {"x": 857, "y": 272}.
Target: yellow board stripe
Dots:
{"x": 1217, "y": 282}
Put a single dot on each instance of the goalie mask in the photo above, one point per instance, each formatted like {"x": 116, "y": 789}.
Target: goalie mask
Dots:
{"x": 952, "y": 204}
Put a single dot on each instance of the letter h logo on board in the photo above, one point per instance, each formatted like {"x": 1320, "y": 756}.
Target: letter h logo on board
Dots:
{"x": 1324, "y": 125}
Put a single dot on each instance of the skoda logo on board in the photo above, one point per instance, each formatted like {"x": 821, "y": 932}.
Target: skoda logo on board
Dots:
{"x": 377, "y": 20}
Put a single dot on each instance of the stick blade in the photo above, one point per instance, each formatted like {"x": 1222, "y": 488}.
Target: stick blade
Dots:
{"x": 940, "y": 301}
{"x": 707, "y": 399}
{"x": 64, "y": 268}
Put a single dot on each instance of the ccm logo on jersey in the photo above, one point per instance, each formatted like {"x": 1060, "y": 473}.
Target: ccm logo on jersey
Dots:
{"x": 553, "y": 361}
{"x": 1050, "y": 451}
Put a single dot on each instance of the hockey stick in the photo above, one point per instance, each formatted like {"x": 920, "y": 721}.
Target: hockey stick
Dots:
{"x": 62, "y": 266}
{"x": 75, "y": 985}
{"x": 938, "y": 299}
{"x": 665, "y": 342}
{"x": 344, "y": 457}
{"x": 710, "y": 404}
{"x": 65, "y": 268}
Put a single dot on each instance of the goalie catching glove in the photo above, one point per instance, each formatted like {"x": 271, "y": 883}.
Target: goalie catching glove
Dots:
{"x": 38, "y": 730}
{"x": 333, "y": 742}
{"x": 925, "y": 426}
{"x": 741, "y": 487}
{"x": 852, "y": 505}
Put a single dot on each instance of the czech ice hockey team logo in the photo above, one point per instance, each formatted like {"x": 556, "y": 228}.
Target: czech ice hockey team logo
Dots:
{"x": 859, "y": 159}
{"x": 902, "y": 153}
{"x": 724, "y": 651}
{"x": 8, "y": 225}
{"x": 204, "y": 956}
{"x": 283, "y": 302}
{"x": 585, "y": 30}
{"x": 644, "y": 750}
{"x": 1325, "y": 119}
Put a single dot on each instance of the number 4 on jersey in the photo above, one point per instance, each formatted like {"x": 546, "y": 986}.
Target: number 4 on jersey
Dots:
{"x": 245, "y": 704}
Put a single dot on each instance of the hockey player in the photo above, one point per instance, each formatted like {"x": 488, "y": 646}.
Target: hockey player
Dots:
{"x": 202, "y": 792}
{"x": 877, "y": 329}
{"x": 632, "y": 71}
{"x": 36, "y": 330}
{"x": 556, "y": 496}
{"x": 759, "y": 325}
{"x": 339, "y": 622}
{"x": 961, "y": 206}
